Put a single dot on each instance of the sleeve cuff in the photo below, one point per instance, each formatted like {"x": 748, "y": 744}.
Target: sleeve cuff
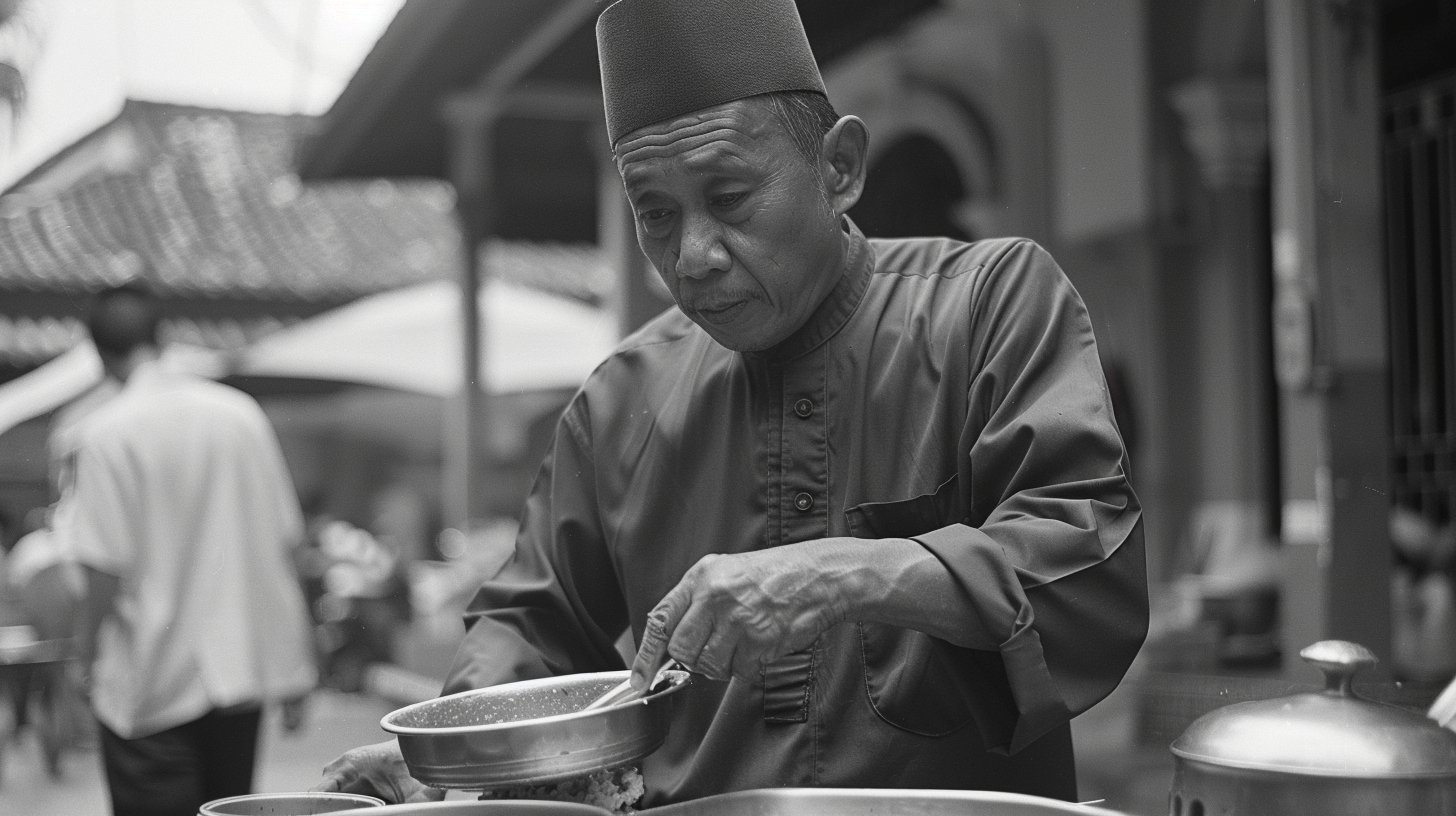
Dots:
{"x": 1005, "y": 614}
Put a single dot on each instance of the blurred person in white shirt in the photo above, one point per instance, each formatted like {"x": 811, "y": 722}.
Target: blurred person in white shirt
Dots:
{"x": 184, "y": 518}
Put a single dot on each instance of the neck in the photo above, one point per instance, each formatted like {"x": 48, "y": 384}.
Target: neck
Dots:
{"x": 123, "y": 366}
{"x": 856, "y": 266}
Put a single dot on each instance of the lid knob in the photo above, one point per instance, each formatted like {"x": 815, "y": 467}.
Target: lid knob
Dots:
{"x": 1339, "y": 660}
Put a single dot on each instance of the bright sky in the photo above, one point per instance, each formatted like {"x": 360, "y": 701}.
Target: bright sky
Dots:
{"x": 84, "y": 57}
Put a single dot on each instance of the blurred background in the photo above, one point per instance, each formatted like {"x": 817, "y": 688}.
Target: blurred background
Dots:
{"x": 397, "y": 225}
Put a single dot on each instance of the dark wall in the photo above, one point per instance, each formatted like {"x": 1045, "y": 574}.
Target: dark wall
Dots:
{"x": 1418, "y": 41}
{"x": 910, "y": 191}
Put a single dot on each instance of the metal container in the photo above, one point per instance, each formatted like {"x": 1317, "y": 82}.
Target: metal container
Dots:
{"x": 873, "y": 802}
{"x": 529, "y": 733}
{"x": 287, "y": 804}
{"x": 513, "y": 807}
{"x": 1330, "y": 753}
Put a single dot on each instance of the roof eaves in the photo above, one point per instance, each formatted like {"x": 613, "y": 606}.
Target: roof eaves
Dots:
{"x": 408, "y": 40}
{"x": 60, "y": 156}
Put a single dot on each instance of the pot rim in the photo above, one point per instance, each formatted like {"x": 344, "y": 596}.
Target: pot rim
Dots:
{"x": 361, "y": 799}
{"x": 1295, "y": 770}
{"x": 678, "y": 679}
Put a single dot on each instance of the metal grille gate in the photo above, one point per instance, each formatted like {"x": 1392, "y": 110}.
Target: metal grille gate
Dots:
{"x": 1420, "y": 188}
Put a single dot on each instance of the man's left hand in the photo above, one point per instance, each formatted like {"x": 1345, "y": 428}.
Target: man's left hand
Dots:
{"x": 732, "y": 613}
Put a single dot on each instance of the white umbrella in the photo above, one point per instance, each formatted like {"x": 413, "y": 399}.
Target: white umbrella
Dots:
{"x": 409, "y": 339}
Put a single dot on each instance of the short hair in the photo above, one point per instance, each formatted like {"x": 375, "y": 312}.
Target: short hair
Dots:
{"x": 123, "y": 318}
{"x": 807, "y": 116}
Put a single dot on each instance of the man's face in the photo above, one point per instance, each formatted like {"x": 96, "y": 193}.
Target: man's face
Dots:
{"x": 735, "y": 220}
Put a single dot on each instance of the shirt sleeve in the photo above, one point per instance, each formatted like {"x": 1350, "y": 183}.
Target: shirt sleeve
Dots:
{"x": 1051, "y": 556}
{"x": 100, "y": 525}
{"x": 556, "y": 607}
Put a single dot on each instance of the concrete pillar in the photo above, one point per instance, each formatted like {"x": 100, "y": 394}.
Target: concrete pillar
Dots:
{"x": 1331, "y": 322}
{"x": 471, "y": 121}
{"x": 1225, "y": 126}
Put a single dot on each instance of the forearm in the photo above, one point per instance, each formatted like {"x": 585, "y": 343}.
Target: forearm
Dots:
{"x": 898, "y": 582}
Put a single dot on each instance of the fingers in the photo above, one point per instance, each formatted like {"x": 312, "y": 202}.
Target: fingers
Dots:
{"x": 715, "y": 657}
{"x": 661, "y": 623}
{"x": 425, "y": 793}
{"x": 372, "y": 770}
{"x": 336, "y": 775}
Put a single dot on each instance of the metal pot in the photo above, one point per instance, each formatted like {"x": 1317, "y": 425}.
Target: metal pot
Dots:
{"x": 287, "y": 804}
{"x": 530, "y": 733}
{"x": 499, "y": 807}
{"x": 790, "y": 802}
{"x": 874, "y": 802}
{"x": 1330, "y": 752}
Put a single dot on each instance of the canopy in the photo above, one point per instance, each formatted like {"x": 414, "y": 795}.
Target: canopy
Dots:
{"x": 409, "y": 339}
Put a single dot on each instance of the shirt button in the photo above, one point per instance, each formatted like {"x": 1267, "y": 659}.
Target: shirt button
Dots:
{"x": 804, "y": 408}
{"x": 803, "y": 502}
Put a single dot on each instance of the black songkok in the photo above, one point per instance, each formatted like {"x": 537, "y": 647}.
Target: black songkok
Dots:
{"x": 664, "y": 58}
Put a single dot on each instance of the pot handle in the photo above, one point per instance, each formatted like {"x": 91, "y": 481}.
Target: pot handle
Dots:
{"x": 1339, "y": 660}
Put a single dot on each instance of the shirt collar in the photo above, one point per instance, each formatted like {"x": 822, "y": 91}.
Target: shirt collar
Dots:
{"x": 146, "y": 375}
{"x": 838, "y": 305}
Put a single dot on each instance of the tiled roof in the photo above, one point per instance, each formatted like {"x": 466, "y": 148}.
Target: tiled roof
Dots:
{"x": 208, "y": 201}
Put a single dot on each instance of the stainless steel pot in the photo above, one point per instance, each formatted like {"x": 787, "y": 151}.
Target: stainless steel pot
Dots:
{"x": 790, "y": 802}
{"x": 287, "y": 804}
{"x": 1330, "y": 753}
{"x": 873, "y": 802}
{"x": 513, "y": 807}
{"x": 530, "y": 733}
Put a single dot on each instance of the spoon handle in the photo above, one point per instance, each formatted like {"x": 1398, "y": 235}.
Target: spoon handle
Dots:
{"x": 623, "y": 691}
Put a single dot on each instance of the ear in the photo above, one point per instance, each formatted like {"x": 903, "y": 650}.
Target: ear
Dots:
{"x": 842, "y": 162}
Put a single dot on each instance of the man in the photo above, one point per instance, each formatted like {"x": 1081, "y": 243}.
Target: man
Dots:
{"x": 184, "y": 518}
{"x": 871, "y": 491}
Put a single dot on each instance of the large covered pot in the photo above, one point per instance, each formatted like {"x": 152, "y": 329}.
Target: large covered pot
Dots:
{"x": 1330, "y": 752}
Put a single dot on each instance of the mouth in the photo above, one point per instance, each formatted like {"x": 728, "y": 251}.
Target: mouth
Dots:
{"x": 719, "y": 313}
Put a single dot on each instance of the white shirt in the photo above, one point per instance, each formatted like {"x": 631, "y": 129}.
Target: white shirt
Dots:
{"x": 180, "y": 490}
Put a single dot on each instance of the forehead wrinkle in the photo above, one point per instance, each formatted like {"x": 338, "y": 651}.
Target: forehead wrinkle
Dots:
{"x": 740, "y": 117}
{"x": 719, "y": 154}
{"x": 676, "y": 146}
{"x": 711, "y": 155}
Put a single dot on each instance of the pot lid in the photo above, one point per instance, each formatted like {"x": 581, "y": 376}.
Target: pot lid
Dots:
{"x": 1333, "y": 732}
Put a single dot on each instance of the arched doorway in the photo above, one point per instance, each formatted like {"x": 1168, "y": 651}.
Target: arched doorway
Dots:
{"x": 913, "y": 188}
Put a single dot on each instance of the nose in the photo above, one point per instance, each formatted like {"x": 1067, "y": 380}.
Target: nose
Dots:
{"x": 700, "y": 250}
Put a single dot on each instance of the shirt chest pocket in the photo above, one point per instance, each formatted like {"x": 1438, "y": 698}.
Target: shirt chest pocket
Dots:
{"x": 908, "y": 517}
{"x": 914, "y": 681}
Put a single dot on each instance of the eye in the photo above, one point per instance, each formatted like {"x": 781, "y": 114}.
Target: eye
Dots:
{"x": 656, "y": 222}
{"x": 728, "y": 199}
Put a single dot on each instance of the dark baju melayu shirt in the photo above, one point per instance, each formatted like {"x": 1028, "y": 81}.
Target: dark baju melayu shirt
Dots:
{"x": 945, "y": 392}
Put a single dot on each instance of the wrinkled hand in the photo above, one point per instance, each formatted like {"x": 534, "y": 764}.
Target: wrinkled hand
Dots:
{"x": 376, "y": 770}
{"x": 731, "y": 613}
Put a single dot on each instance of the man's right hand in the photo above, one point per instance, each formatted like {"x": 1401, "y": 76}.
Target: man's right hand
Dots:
{"x": 376, "y": 770}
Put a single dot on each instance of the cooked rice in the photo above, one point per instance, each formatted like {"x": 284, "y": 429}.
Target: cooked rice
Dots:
{"x": 615, "y": 790}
